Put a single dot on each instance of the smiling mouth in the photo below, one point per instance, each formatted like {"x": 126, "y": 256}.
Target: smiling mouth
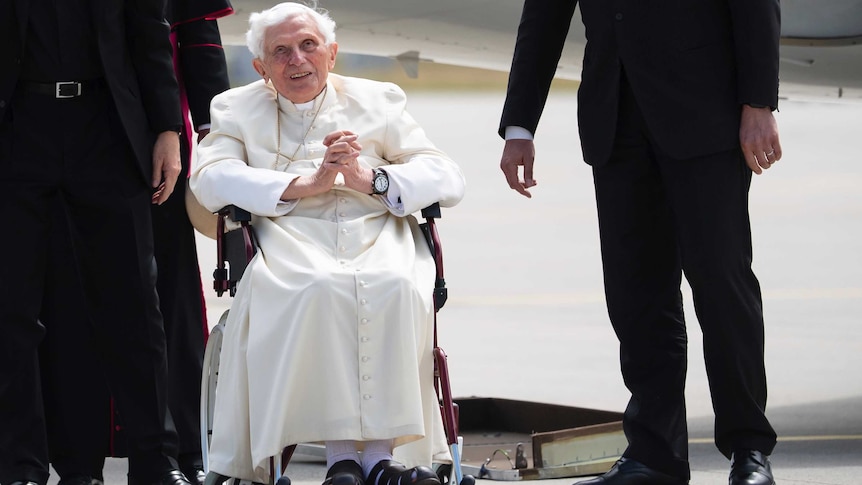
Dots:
{"x": 300, "y": 75}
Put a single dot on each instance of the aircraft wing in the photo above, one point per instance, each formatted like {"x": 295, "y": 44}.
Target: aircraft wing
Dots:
{"x": 821, "y": 39}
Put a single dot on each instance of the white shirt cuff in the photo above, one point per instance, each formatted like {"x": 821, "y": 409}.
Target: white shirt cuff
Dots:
{"x": 518, "y": 133}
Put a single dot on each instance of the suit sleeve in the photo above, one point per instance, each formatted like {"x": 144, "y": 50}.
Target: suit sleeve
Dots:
{"x": 541, "y": 37}
{"x": 202, "y": 64}
{"x": 152, "y": 55}
{"x": 756, "y": 36}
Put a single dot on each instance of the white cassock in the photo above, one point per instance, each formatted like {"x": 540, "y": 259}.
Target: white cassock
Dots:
{"x": 329, "y": 336}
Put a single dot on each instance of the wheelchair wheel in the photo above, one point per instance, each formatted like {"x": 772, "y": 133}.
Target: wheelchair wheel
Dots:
{"x": 209, "y": 380}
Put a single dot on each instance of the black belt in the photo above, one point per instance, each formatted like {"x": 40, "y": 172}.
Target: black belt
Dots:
{"x": 63, "y": 89}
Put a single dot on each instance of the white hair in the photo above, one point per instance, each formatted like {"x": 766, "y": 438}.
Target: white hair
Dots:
{"x": 259, "y": 22}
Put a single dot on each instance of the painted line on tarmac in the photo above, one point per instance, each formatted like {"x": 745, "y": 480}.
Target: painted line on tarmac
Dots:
{"x": 813, "y": 293}
{"x": 591, "y": 297}
{"x": 535, "y": 299}
{"x": 834, "y": 437}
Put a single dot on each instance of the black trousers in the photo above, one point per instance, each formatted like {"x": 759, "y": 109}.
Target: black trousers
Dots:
{"x": 85, "y": 429}
{"x": 76, "y": 149}
{"x": 660, "y": 218}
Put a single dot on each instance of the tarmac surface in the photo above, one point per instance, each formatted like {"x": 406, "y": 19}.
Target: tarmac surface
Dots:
{"x": 526, "y": 318}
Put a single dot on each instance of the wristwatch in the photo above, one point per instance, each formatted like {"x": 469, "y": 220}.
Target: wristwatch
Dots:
{"x": 379, "y": 182}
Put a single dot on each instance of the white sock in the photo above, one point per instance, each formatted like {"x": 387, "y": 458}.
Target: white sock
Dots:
{"x": 374, "y": 452}
{"x": 340, "y": 450}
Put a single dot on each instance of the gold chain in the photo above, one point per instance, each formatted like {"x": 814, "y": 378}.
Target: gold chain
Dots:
{"x": 278, "y": 131}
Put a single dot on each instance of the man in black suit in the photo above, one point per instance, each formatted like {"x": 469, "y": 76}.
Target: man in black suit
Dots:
{"x": 674, "y": 112}
{"x": 83, "y": 431}
{"x": 89, "y": 114}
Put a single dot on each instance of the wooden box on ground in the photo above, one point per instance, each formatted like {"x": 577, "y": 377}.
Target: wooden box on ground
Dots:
{"x": 521, "y": 440}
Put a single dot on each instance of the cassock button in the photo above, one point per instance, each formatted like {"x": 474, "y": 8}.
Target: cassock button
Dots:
{"x": 366, "y": 377}
{"x": 363, "y": 284}
{"x": 618, "y": 16}
{"x": 364, "y": 321}
{"x": 366, "y": 396}
{"x": 365, "y": 358}
{"x": 363, "y": 301}
{"x": 364, "y": 339}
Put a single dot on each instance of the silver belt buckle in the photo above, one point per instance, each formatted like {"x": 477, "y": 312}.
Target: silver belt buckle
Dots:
{"x": 67, "y": 89}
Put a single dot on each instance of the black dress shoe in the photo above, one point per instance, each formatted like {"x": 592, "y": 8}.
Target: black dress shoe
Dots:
{"x": 214, "y": 478}
{"x": 76, "y": 480}
{"x": 195, "y": 475}
{"x": 23, "y": 482}
{"x": 344, "y": 472}
{"x": 172, "y": 477}
{"x": 750, "y": 467}
{"x": 390, "y": 472}
{"x": 629, "y": 472}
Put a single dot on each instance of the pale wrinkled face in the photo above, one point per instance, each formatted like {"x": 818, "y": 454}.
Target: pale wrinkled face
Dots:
{"x": 296, "y": 59}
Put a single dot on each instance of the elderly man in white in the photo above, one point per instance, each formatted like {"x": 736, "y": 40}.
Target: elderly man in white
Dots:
{"x": 329, "y": 337}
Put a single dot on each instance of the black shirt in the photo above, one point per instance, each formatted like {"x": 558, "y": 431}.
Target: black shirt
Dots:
{"x": 61, "y": 42}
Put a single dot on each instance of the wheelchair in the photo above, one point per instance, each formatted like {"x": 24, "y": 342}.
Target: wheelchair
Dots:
{"x": 236, "y": 245}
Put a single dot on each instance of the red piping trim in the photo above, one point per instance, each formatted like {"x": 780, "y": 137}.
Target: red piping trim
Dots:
{"x": 201, "y": 45}
{"x": 209, "y": 16}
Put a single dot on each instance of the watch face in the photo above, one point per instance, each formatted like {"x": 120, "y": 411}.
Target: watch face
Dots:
{"x": 381, "y": 182}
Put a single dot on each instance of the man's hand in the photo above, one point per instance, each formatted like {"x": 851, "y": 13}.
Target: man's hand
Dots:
{"x": 515, "y": 153}
{"x": 166, "y": 165}
{"x": 758, "y": 137}
{"x": 342, "y": 156}
{"x": 310, "y": 185}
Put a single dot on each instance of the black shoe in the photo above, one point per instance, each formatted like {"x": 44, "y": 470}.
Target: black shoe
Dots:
{"x": 214, "y": 478}
{"x": 750, "y": 467}
{"x": 195, "y": 475}
{"x": 389, "y": 472}
{"x": 76, "y": 480}
{"x": 344, "y": 472}
{"x": 23, "y": 482}
{"x": 172, "y": 477}
{"x": 629, "y": 472}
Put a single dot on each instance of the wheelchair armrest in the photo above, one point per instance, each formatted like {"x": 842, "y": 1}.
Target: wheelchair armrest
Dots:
{"x": 432, "y": 211}
{"x": 235, "y": 213}
{"x": 235, "y": 249}
{"x": 429, "y": 230}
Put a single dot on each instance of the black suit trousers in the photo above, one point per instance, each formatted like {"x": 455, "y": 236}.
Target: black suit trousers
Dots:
{"x": 76, "y": 149}
{"x": 83, "y": 430}
{"x": 182, "y": 305}
{"x": 660, "y": 218}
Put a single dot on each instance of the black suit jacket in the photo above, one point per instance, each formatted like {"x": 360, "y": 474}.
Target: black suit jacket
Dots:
{"x": 690, "y": 63}
{"x": 135, "y": 50}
